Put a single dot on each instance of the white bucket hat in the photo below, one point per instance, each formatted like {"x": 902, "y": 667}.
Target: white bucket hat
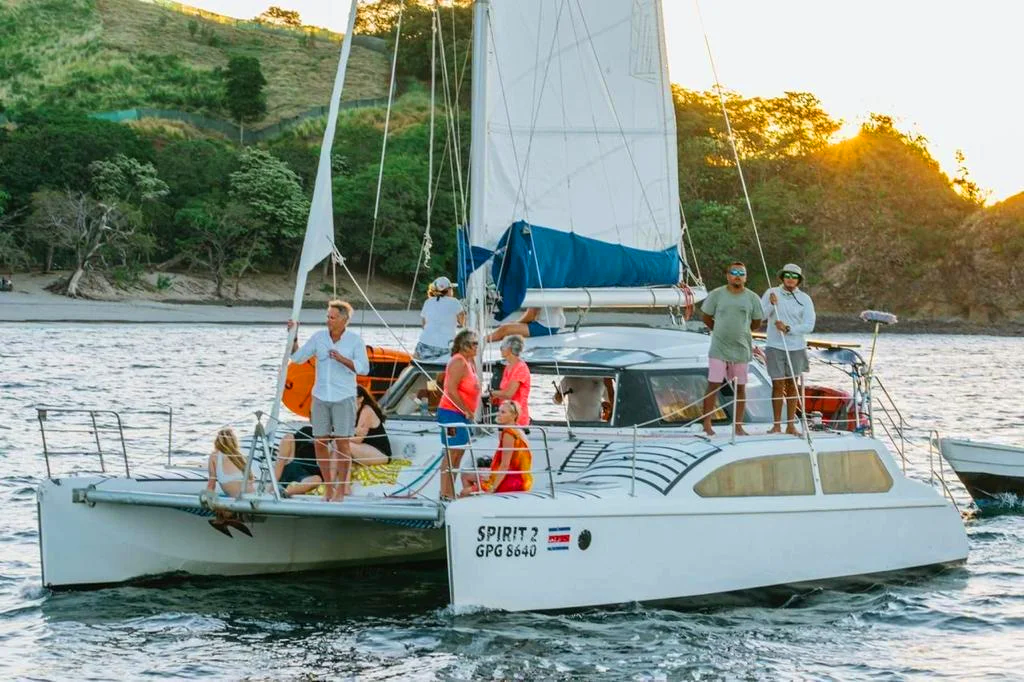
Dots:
{"x": 791, "y": 267}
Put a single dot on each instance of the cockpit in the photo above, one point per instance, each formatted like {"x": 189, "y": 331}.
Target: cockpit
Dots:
{"x": 595, "y": 387}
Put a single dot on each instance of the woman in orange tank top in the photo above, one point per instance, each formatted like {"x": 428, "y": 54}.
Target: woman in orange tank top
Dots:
{"x": 457, "y": 407}
{"x": 512, "y": 462}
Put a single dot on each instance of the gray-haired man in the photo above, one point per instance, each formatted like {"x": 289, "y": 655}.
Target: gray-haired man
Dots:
{"x": 340, "y": 357}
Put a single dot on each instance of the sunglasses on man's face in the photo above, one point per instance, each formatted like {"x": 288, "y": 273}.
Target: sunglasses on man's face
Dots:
{"x": 738, "y": 273}
{"x": 790, "y": 275}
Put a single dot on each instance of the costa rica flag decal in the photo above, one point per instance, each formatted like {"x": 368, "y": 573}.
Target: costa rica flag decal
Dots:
{"x": 558, "y": 538}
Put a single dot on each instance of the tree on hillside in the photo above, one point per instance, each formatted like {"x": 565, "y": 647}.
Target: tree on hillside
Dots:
{"x": 273, "y": 193}
{"x": 379, "y": 18}
{"x": 279, "y": 16}
{"x": 53, "y": 149}
{"x": 113, "y": 220}
{"x": 74, "y": 221}
{"x": 245, "y": 97}
{"x": 964, "y": 185}
{"x": 401, "y": 221}
{"x": 225, "y": 240}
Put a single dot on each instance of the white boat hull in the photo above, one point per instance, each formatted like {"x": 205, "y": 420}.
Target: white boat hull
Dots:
{"x": 596, "y": 542}
{"x": 987, "y": 470}
{"x": 82, "y": 544}
{"x": 653, "y": 554}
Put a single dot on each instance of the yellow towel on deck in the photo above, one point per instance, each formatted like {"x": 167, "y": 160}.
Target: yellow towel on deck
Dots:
{"x": 379, "y": 474}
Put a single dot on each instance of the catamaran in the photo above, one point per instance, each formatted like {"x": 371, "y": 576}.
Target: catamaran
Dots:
{"x": 573, "y": 203}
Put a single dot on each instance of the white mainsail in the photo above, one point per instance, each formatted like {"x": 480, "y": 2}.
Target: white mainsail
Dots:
{"x": 580, "y": 127}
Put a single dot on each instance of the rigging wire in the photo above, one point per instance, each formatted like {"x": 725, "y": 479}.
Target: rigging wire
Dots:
{"x": 750, "y": 209}
{"x": 384, "y": 144}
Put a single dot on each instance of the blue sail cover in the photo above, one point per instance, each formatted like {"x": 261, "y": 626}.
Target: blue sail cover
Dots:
{"x": 533, "y": 257}
{"x": 470, "y": 257}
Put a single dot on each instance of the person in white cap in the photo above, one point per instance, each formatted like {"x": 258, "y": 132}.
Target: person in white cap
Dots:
{"x": 790, "y": 317}
{"x": 441, "y": 315}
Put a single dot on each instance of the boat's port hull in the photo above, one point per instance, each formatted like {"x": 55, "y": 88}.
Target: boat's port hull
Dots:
{"x": 91, "y": 545}
{"x": 650, "y": 555}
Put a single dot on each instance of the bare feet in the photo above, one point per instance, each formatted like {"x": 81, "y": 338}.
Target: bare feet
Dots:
{"x": 775, "y": 429}
{"x": 709, "y": 431}
{"x": 792, "y": 431}
{"x": 740, "y": 431}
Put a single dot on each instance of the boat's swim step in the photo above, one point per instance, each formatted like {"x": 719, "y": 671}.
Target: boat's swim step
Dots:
{"x": 384, "y": 509}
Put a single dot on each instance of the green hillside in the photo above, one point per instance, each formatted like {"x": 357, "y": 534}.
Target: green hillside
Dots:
{"x": 99, "y": 55}
{"x": 873, "y": 219}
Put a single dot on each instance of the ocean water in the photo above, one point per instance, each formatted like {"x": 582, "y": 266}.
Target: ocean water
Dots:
{"x": 393, "y": 624}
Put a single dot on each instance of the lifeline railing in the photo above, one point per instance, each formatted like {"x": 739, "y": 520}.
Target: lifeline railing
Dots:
{"x": 97, "y": 428}
{"x": 475, "y": 472}
{"x": 632, "y": 435}
{"x": 883, "y": 412}
{"x": 886, "y": 415}
{"x": 933, "y": 450}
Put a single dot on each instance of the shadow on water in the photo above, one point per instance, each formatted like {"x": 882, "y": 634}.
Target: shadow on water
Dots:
{"x": 379, "y": 592}
{"x": 413, "y": 592}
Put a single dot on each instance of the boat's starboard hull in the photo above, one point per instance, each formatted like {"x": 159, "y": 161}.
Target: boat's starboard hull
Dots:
{"x": 580, "y": 557}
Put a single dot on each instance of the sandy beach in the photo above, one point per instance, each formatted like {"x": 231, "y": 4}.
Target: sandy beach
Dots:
{"x": 265, "y": 300}
{"x": 266, "y": 303}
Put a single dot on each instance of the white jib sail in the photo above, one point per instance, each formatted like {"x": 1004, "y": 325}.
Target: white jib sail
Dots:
{"x": 319, "y": 241}
{"x": 580, "y": 125}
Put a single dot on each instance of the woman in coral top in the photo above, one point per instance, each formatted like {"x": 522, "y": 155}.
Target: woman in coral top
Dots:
{"x": 510, "y": 468}
{"x": 515, "y": 380}
{"x": 457, "y": 408}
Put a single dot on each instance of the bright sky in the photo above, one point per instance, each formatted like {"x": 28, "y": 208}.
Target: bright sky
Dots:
{"x": 948, "y": 70}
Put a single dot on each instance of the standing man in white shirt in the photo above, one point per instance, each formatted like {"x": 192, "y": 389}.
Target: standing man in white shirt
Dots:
{"x": 790, "y": 315}
{"x": 340, "y": 357}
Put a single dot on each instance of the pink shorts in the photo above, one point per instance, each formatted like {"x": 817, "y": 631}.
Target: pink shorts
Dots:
{"x": 719, "y": 371}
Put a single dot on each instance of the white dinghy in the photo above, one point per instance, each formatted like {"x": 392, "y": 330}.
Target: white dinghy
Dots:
{"x": 991, "y": 472}
{"x": 574, "y": 203}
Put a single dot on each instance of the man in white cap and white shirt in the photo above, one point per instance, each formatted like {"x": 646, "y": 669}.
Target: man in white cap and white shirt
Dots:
{"x": 790, "y": 317}
{"x": 440, "y": 316}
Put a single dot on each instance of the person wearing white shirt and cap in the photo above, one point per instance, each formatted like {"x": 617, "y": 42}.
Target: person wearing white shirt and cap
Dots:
{"x": 440, "y": 316}
{"x": 790, "y": 317}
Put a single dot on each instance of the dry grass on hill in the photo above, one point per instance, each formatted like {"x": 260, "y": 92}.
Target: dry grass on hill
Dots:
{"x": 119, "y": 54}
{"x": 299, "y": 77}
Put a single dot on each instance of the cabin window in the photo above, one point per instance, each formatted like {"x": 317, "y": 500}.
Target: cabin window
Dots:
{"x": 856, "y": 471}
{"x": 762, "y": 476}
{"x": 680, "y": 397}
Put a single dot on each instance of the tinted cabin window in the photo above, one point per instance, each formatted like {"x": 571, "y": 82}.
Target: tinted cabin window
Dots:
{"x": 763, "y": 476}
{"x": 680, "y": 397}
{"x": 857, "y": 471}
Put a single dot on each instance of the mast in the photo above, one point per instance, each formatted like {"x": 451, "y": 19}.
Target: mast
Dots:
{"x": 319, "y": 241}
{"x": 476, "y": 294}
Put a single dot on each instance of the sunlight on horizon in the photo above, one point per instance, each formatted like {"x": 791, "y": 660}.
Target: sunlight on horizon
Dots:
{"x": 948, "y": 83}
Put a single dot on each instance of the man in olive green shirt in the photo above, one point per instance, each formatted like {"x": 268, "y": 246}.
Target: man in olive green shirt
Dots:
{"x": 731, "y": 312}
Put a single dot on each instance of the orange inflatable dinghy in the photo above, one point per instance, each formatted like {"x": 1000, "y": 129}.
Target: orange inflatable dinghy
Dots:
{"x": 835, "y": 406}
{"x": 385, "y": 366}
